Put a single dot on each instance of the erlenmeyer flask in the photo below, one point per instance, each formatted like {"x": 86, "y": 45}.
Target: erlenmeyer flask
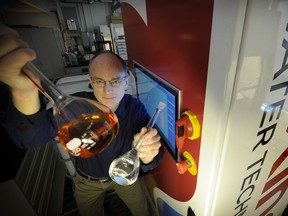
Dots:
{"x": 85, "y": 127}
{"x": 124, "y": 170}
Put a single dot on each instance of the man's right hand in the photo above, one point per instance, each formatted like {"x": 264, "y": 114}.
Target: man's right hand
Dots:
{"x": 14, "y": 55}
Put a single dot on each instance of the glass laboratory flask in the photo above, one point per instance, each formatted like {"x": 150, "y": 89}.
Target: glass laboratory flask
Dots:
{"x": 124, "y": 170}
{"x": 84, "y": 127}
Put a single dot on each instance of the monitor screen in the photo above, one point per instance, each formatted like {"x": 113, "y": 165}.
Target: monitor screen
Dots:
{"x": 151, "y": 90}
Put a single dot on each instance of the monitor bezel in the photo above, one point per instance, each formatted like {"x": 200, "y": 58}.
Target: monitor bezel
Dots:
{"x": 171, "y": 89}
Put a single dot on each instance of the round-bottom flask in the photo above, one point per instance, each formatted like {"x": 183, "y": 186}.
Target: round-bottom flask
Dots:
{"x": 125, "y": 169}
{"x": 85, "y": 127}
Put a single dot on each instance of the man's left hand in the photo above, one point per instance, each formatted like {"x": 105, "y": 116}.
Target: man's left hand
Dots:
{"x": 150, "y": 144}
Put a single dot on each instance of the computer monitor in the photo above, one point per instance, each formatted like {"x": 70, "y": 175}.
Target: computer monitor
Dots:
{"x": 152, "y": 89}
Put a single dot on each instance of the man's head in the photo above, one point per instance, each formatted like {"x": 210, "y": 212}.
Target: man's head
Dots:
{"x": 108, "y": 78}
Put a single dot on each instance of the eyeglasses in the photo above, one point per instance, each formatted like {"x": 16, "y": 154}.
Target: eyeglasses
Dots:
{"x": 114, "y": 82}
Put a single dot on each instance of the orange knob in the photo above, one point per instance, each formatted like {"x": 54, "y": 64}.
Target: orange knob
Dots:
{"x": 188, "y": 163}
{"x": 182, "y": 166}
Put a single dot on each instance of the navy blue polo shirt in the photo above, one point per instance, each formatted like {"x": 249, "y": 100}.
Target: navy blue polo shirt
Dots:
{"x": 132, "y": 116}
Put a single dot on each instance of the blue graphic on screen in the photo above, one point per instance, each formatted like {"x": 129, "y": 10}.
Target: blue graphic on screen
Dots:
{"x": 151, "y": 90}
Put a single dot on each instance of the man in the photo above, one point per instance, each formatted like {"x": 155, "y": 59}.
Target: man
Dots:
{"x": 29, "y": 124}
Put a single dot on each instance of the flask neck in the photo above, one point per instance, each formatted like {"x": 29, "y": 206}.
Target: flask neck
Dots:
{"x": 138, "y": 144}
{"x": 51, "y": 92}
{"x": 46, "y": 87}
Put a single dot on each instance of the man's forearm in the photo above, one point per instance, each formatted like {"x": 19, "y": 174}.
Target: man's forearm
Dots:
{"x": 27, "y": 103}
